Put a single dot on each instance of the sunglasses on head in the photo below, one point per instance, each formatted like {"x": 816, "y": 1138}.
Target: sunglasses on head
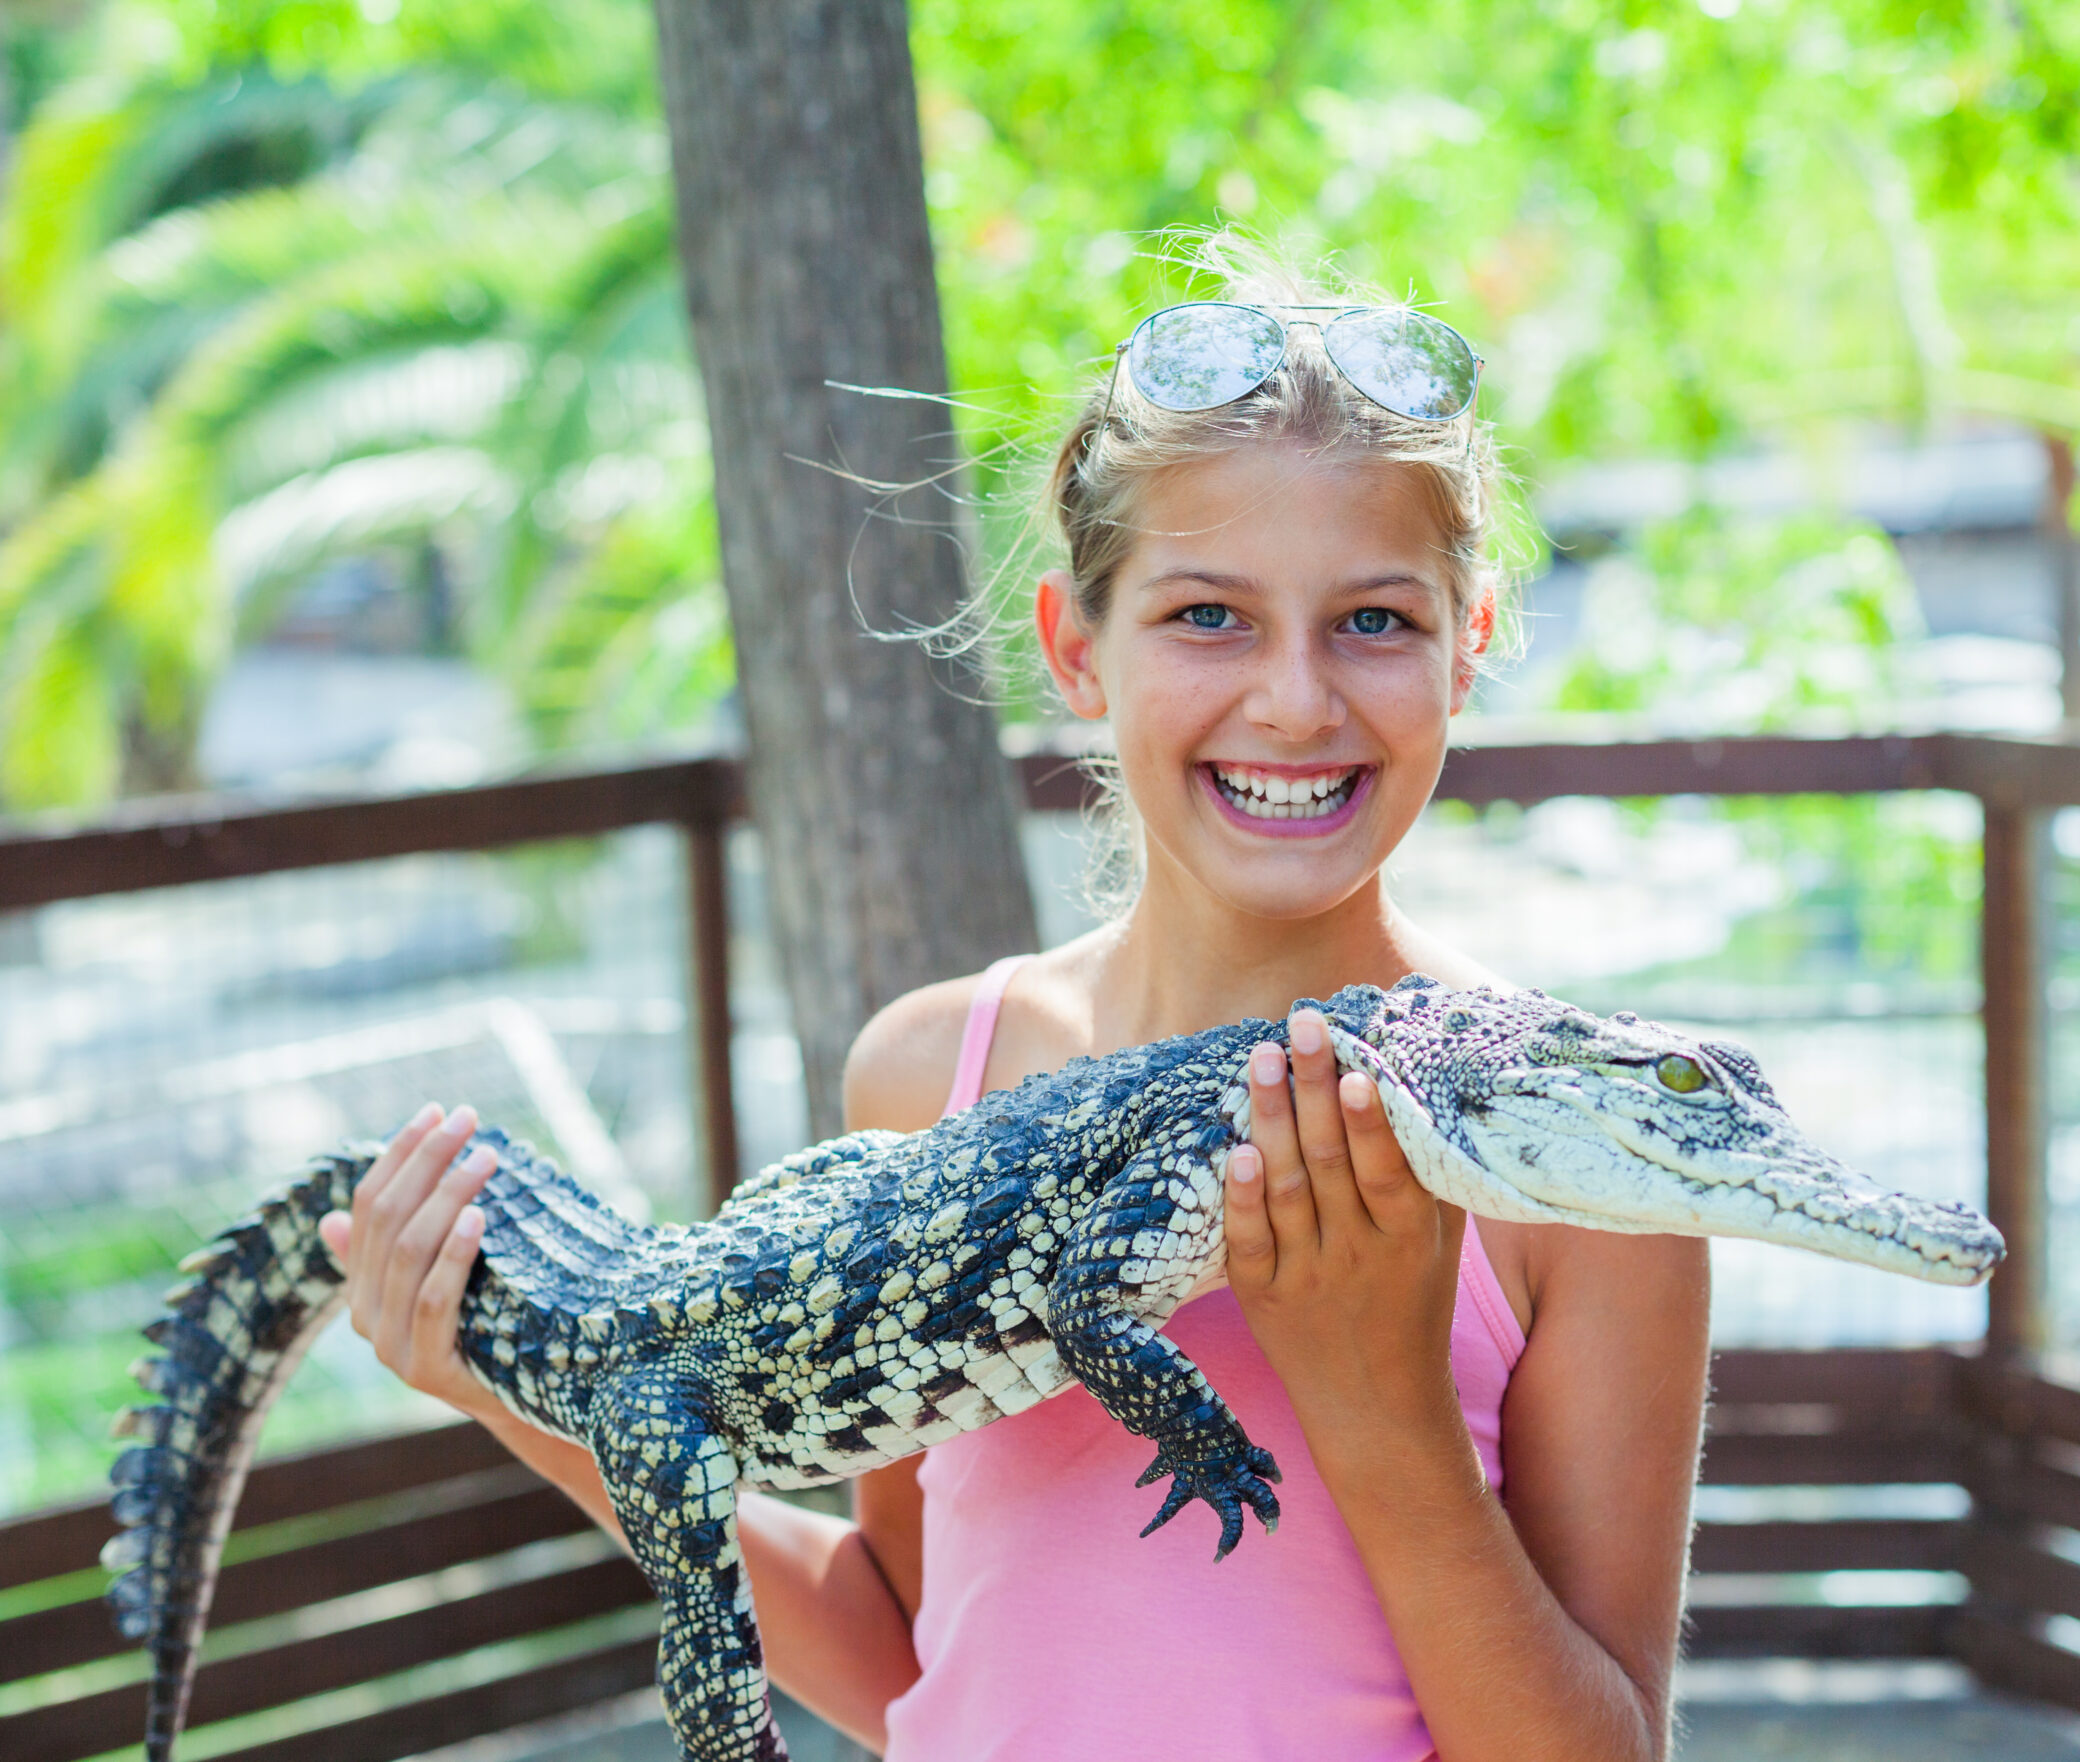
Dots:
{"x": 1207, "y": 353}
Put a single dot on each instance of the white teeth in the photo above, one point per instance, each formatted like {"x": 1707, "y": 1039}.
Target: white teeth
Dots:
{"x": 1262, "y": 796}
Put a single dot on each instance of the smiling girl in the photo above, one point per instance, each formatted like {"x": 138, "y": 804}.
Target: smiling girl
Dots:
{"x": 1277, "y": 593}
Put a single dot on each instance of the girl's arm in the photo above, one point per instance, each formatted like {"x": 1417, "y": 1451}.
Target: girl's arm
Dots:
{"x": 1543, "y": 1628}
{"x": 835, "y": 1635}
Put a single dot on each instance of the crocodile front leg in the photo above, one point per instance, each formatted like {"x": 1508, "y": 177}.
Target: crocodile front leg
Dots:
{"x": 673, "y": 1484}
{"x": 1124, "y": 1268}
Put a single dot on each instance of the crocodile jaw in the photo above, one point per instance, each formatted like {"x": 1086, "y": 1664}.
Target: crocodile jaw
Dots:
{"x": 1774, "y": 1186}
{"x": 1576, "y": 1146}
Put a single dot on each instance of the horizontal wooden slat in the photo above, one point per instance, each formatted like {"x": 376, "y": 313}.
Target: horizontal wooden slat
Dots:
{"x": 2023, "y": 1404}
{"x": 276, "y": 1676}
{"x": 1837, "y": 1545}
{"x": 69, "y": 1538}
{"x": 1922, "y": 1382}
{"x": 2028, "y": 1492}
{"x": 516, "y": 1509}
{"x": 1827, "y": 1460}
{"x": 2010, "y": 1573}
{"x": 1754, "y": 765}
{"x": 167, "y": 842}
{"x": 1803, "y": 1630}
{"x": 44, "y": 1544}
{"x": 417, "y": 1726}
{"x": 2012, "y": 1658}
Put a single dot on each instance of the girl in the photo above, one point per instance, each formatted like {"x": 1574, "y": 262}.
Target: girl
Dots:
{"x": 1277, "y": 592}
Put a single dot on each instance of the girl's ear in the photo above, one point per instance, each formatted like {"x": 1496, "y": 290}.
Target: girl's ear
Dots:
{"x": 1069, "y": 645}
{"x": 1479, "y": 631}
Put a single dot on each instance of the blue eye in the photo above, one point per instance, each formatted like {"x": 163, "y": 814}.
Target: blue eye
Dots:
{"x": 1373, "y": 621}
{"x": 1206, "y": 617}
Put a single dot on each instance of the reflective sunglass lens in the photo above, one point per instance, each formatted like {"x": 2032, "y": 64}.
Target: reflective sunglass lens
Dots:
{"x": 1201, "y": 356}
{"x": 1411, "y": 364}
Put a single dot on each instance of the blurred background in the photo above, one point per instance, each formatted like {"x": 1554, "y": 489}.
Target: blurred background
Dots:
{"x": 351, "y": 441}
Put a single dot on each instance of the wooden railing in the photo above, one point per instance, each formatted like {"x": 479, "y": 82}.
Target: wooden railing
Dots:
{"x": 390, "y": 1516}
{"x": 1987, "y": 1420}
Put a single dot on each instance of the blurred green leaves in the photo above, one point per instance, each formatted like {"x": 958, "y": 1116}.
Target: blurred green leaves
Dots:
{"x": 1747, "y": 624}
{"x": 256, "y": 317}
{"x": 1672, "y": 227}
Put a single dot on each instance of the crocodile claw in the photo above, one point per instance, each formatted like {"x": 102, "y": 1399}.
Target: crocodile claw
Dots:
{"x": 1227, "y": 1482}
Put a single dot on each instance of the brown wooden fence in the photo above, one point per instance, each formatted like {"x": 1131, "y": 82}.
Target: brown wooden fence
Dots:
{"x": 431, "y": 1547}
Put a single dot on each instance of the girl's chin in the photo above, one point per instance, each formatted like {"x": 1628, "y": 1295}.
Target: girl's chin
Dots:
{"x": 1318, "y": 826}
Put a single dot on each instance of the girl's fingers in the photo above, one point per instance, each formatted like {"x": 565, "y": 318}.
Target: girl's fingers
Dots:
{"x": 1324, "y": 1145}
{"x": 1252, "y": 1251}
{"x": 380, "y": 1220}
{"x": 417, "y": 1248}
{"x": 384, "y": 1169}
{"x": 1381, "y": 1175}
{"x": 1273, "y": 1131}
{"x": 336, "y": 1231}
{"x": 436, "y": 1312}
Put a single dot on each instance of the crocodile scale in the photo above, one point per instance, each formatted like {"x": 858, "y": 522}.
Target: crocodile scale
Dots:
{"x": 879, "y": 1293}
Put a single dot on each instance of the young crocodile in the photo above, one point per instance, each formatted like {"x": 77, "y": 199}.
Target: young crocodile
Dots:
{"x": 879, "y": 1293}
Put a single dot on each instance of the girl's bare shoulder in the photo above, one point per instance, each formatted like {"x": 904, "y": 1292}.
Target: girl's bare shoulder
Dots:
{"x": 901, "y": 1068}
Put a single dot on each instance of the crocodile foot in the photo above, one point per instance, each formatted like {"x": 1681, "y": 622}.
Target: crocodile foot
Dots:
{"x": 1236, "y": 1475}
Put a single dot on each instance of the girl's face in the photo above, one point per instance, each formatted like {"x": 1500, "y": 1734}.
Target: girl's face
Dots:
{"x": 1280, "y": 661}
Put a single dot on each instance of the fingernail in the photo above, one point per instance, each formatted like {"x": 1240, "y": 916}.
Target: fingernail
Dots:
{"x": 481, "y": 1160}
{"x": 1357, "y": 1093}
{"x": 1307, "y": 1032}
{"x": 463, "y": 1121}
{"x": 1243, "y": 1168}
{"x": 425, "y": 1117}
{"x": 1267, "y": 1064}
{"x": 470, "y": 1225}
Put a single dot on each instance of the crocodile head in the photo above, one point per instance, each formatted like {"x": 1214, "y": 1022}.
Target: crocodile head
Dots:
{"x": 1518, "y": 1106}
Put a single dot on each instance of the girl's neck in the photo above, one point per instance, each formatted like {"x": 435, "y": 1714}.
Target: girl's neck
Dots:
{"x": 1183, "y": 962}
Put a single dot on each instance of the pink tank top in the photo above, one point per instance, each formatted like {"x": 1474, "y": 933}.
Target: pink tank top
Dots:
{"x": 1051, "y": 1632}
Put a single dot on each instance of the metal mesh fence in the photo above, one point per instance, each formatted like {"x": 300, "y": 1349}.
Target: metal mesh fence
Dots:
{"x": 166, "y": 1057}
{"x": 2062, "y": 987}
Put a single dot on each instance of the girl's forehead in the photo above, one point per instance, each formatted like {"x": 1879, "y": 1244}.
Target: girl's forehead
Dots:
{"x": 1280, "y": 511}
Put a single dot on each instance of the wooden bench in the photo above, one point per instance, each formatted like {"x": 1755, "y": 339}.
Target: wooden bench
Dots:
{"x": 386, "y": 1598}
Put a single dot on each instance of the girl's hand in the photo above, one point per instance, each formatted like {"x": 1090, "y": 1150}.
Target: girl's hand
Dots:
{"x": 1345, "y": 1267}
{"x": 408, "y": 1247}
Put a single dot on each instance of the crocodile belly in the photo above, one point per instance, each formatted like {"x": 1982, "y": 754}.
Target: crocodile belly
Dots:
{"x": 912, "y": 1393}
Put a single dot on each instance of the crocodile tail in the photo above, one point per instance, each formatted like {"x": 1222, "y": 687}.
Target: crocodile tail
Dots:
{"x": 234, "y": 1329}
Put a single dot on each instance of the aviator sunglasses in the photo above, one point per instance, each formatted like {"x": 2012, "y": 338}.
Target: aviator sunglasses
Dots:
{"x": 1207, "y": 353}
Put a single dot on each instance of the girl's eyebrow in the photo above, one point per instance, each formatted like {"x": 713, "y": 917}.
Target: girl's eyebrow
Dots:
{"x": 1239, "y": 584}
{"x": 1248, "y": 585}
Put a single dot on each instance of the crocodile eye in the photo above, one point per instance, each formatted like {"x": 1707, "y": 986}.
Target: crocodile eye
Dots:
{"x": 1684, "y": 1075}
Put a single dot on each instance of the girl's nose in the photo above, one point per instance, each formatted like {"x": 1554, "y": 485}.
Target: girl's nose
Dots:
{"x": 1291, "y": 695}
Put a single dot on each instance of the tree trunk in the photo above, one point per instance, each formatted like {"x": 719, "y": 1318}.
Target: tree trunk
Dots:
{"x": 886, "y": 806}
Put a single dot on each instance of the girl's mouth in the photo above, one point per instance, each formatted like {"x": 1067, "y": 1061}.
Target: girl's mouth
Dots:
{"x": 1284, "y": 804}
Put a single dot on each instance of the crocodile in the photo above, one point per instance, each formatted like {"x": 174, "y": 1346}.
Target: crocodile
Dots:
{"x": 876, "y": 1294}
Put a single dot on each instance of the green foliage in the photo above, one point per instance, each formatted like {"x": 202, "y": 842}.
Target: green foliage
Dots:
{"x": 257, "y": 317}
{"x": 1665, "y": 223}
{"x": 1885, "y": 890}
{"x": 1746, "y": 624}
{"x": 1670, "y": 224}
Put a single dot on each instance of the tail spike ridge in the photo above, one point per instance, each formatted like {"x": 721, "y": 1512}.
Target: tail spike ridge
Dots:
{"x": 247, "y": 1308}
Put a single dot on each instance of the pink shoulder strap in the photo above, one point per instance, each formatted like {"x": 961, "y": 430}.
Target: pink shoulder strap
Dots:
{"x": 1477, "y": 1273}
{"x": 980, "y": 1031}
